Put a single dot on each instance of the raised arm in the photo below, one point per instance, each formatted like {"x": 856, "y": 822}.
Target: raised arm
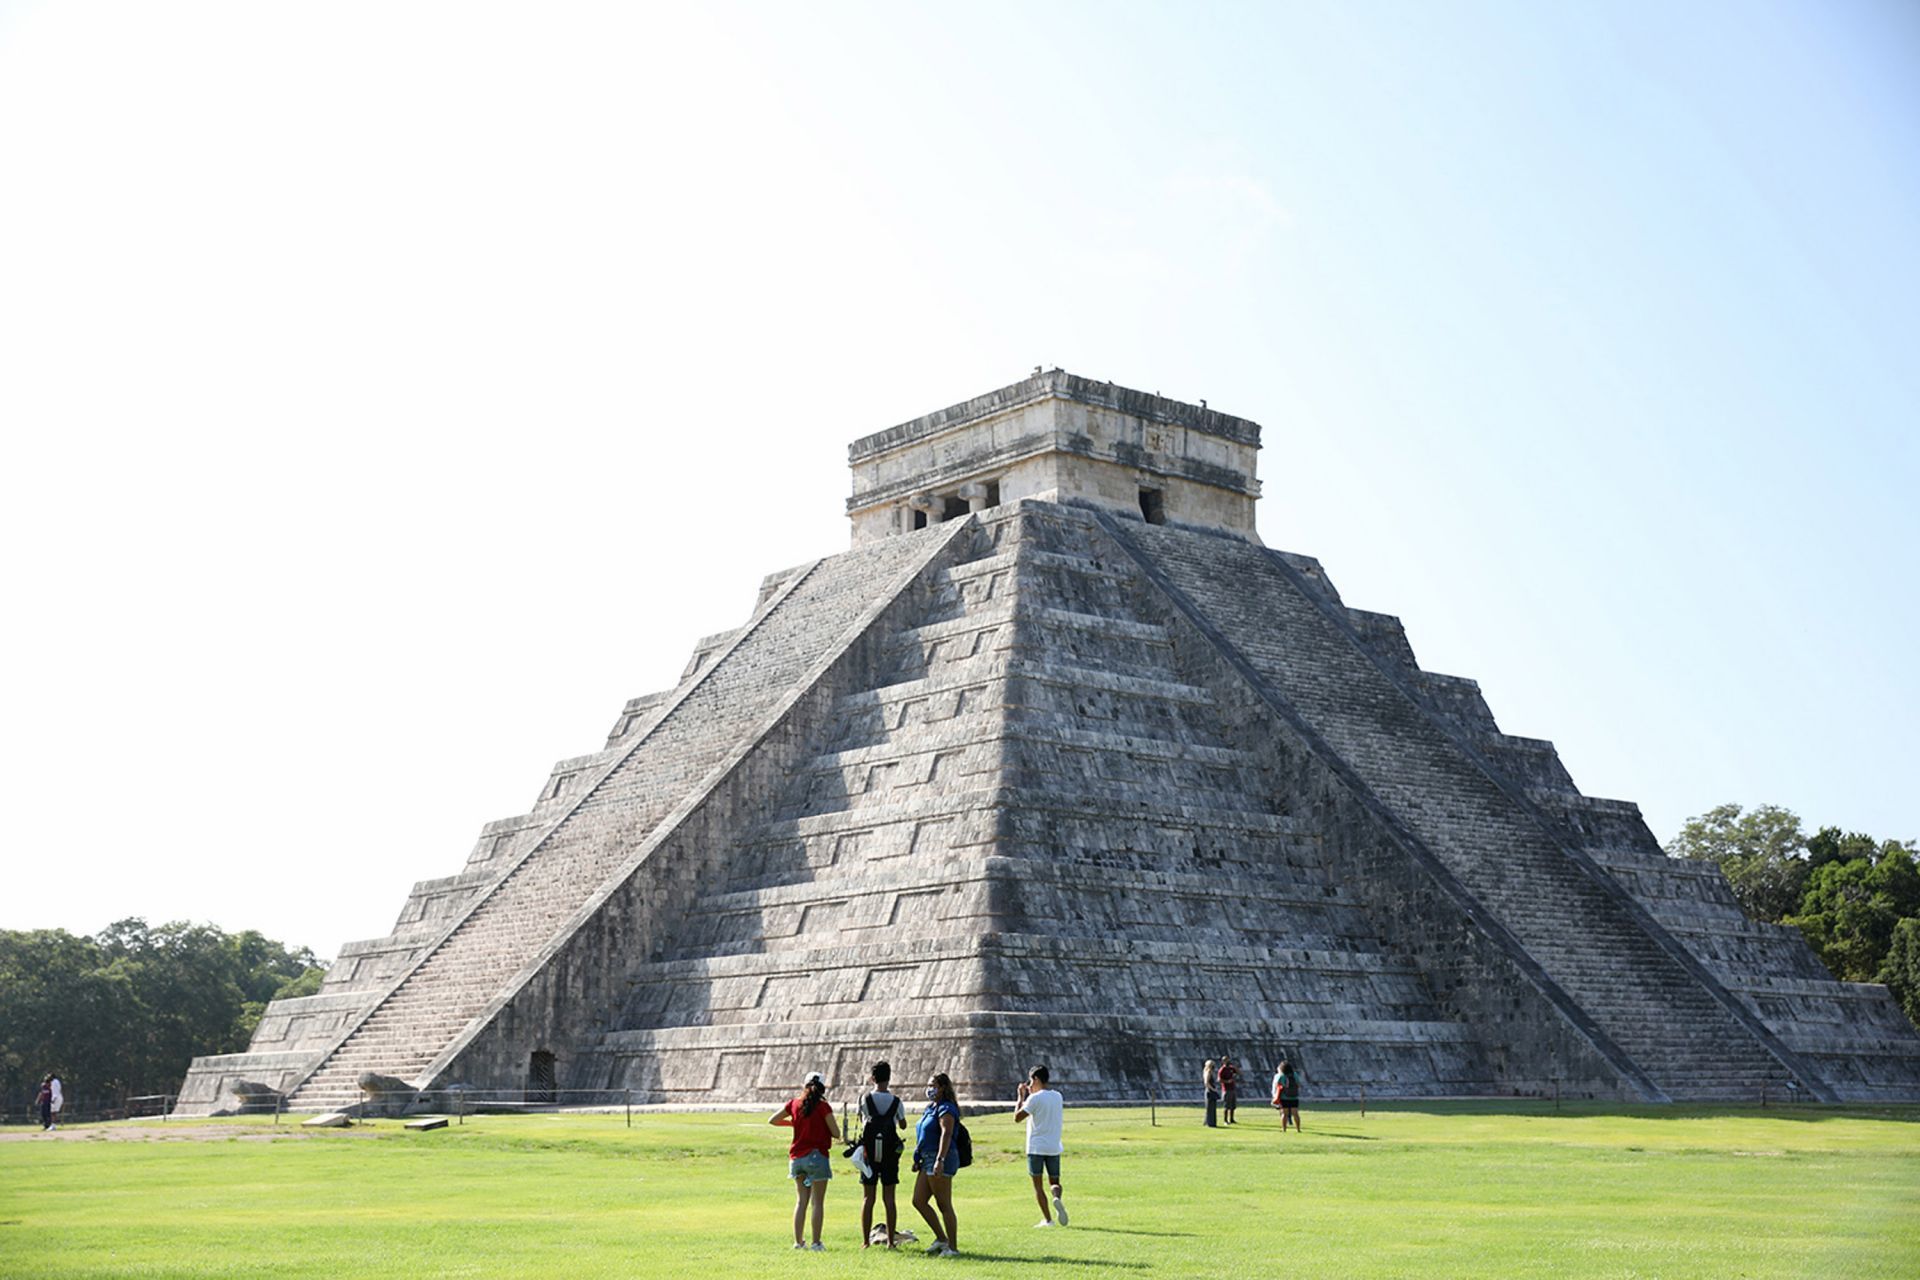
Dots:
{"x": 782, "y": 1117}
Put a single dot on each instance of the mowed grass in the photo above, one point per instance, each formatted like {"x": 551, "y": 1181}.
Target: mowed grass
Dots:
{"x": 1431, "y": 1190}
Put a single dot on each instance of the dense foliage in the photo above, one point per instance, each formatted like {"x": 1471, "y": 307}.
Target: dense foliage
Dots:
{"x": 1857, "y": 899}
{"x": 123, "y": 1011}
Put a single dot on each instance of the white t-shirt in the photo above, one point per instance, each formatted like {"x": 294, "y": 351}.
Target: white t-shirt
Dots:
{"x": 56, "y": 1099}
{"x": 1044, "y": 1115}
{"x": 875, "y": 1104}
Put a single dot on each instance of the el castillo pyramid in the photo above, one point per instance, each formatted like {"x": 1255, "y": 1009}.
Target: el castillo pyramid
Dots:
{"x": 1059, "y": 763}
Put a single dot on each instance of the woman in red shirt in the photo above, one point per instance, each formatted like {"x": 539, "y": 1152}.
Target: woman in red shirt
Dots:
{"x": 810, "y": 1116}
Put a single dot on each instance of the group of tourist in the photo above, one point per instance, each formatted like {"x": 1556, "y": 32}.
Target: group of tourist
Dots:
{"x": 941, "y": 1148}
{"x": 1221, "y": 1084}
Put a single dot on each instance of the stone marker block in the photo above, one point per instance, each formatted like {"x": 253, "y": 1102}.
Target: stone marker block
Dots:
{"x": 331, "y": 1120}
{"x": 428, "y": 1122}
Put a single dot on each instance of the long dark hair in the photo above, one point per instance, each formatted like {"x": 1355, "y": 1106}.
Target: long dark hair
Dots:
{"x": 943, "y": 1088}
{"x": 811, "y": 1093}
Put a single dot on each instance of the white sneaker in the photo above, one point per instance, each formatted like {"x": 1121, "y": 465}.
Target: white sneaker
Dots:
{"x": 1044, "y": 1222}
{"x": 798, "y": 1245}
{"x": 1059, "y": 1210}
{"x": 817, "y": 1247}
{"x": 938, "y": 1247}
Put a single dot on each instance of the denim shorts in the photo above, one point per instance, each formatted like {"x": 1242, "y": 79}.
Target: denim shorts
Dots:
{"x": 1050, "y": 1165}
{"x": 810, "y": 1168}
{"x": 923, "y": 1162}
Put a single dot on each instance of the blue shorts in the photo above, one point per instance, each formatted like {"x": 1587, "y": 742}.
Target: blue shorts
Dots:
{"x": 923, "y": 1162}
{"x": 810, "y": 1168}
{"x": 1049, "y": 1165}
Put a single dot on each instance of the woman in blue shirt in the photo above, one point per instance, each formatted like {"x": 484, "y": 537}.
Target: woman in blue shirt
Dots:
{"x": 935, "y": 1162}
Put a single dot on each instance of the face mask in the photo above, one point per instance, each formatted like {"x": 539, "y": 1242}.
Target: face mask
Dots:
{"x": 932, "y": 1093}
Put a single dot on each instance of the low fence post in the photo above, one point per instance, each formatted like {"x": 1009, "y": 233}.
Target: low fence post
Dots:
{"x": 629, "y": 1108}
{"x": 1363, "y": 1101}
{"x": 1153, "y": 1109}
{"x": 279, "y": 1102}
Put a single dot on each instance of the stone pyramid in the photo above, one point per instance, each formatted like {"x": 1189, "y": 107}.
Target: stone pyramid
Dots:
{"x": 1060, "y": 763}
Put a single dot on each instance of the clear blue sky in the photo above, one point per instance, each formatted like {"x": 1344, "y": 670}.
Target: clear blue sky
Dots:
{"x": 390, "y": 391}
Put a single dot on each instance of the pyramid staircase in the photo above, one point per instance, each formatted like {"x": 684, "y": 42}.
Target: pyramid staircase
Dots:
{"x": 1853, "y": 1035}
{"x": 1028, "y": 823}
{"x": 602, "y": 812}
{"x": 1656, "y": 1012}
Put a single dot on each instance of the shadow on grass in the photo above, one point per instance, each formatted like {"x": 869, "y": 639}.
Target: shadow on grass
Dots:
{"x": 1049, "y": 1260}
{"x": 1340, "y": 1133}
{"x": 1134, "y": 1231}
{"x": 1584, "y": 1109}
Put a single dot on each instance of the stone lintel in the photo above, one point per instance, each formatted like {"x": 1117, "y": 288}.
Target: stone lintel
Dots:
{"x": 1057, "y": 383}
{"x": 1057, "y": 437}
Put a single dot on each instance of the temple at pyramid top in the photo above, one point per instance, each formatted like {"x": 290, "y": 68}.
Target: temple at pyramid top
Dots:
{"x": 1063, "y": 438}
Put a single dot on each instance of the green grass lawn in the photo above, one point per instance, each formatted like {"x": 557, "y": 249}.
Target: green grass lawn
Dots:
{"x": 1436, "y": 1190}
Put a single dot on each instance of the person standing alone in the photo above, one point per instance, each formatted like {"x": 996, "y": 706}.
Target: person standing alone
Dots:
{"x": 1043, "y": 1109}
{"x": 1229, "y": 1088}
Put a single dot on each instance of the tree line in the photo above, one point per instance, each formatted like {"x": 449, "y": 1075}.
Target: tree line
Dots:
{"x": 1855, "y": 898}
{"x": 122, "y": 1012}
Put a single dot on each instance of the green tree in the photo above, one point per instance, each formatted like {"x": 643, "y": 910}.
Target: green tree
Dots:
{"x": 122, "y": 1012}
{"x": 1901, "y": 969}
{"x": 307, "y": 984}
{"x": 60, "y": 1010}
{"x": 1830, "y": 844}
{"x": 1850, "y": 910}
{"x": 1761, "y": 851}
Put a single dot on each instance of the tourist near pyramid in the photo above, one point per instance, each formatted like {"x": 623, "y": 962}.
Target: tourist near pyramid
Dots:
{"x": 1059, "y": 763}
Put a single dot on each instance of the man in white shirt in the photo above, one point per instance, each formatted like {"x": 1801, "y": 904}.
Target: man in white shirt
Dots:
{"x": 1042, "y": 1108}
{"x": 58, "y": 1100}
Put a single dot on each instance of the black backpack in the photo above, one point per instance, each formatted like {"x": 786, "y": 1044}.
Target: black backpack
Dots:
{"x": 962, "y": 1142}
{"x": 888, "y": 1130}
